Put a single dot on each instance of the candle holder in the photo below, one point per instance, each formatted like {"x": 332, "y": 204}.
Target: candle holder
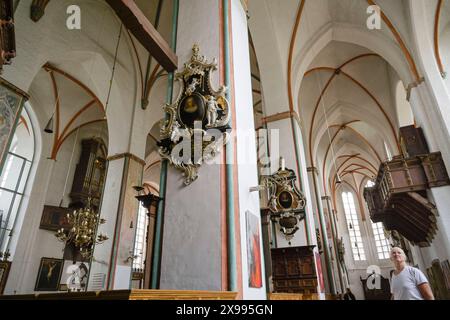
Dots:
{"x": 84, "y": 222}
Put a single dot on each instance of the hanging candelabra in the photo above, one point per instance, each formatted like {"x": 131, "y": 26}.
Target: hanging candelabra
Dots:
{"x": 84, "y": 223}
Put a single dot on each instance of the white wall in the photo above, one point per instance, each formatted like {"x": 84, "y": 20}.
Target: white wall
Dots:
{"x": 88, "y": 55}
{"x": 246, "y": 143}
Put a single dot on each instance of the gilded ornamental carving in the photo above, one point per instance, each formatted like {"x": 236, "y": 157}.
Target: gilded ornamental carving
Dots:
{"x": 286, "y": 202}
{"x": 193, "y": 130}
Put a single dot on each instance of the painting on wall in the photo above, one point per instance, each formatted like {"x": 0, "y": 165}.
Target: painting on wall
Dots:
{"x": 11, "y": 103}
{"x": 319, "y": 272}
{"x": 54, "y": 218}
{"x": 253, "y": 251}
{"x": 74, "y": 277}
{"x": 49, "y": 274}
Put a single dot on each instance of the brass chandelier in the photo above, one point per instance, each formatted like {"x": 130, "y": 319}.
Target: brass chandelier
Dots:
{"x": 84, "y": 222}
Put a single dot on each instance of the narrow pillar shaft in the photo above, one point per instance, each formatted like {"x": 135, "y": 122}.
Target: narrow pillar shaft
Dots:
{"x": 157, "y": 245}
{"x": 334, "y": 234}
{"x": 322, "y": 225}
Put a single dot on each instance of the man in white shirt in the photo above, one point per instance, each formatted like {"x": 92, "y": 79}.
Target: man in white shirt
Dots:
{"x": 408, "y": 283}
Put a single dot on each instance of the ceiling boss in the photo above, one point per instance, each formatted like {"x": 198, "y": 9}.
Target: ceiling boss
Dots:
{"x": 194, "y": 126}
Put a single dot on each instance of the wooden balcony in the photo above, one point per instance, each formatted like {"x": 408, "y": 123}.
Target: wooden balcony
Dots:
{"x": 399, "y": 197}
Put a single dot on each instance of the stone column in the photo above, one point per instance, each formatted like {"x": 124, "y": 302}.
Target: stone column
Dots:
{"x": 327, "y": 200}
{"x": 323, "y": 230}
{"x": 282, "y": 121}
{"x": 267, "y": 243}
{"x": 196, "y": 246}
{"x": 436, "y": 134}
{"x": 285, "y": 125}
{"x": 111, "y": 265}
{"x": 284, "y": 141}
{"x": 149, "y": 250}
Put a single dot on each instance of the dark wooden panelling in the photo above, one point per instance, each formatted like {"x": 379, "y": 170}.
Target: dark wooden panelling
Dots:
{"x": 399, "y": 196}
{"x": 413, "y": 141}
{"x": 294, "y": 270}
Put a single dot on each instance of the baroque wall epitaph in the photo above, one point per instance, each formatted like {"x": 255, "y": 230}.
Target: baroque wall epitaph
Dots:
{"x": 286, "y": 202}
{"x": 194, "y": 129}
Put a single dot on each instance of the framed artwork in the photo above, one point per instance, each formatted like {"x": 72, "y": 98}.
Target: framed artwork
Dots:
{"x": 253, "y": 251}
{"x": 54, "y": 218}
{"x": 11, "y": 104}
{"x": 49, "y": 274}
{"x": 319, "y": 272}
{"x": 4, "y": 271}
{"x": 74, "y": 276}
{"x": 285, "y": 199}
{"x": 192, "y": 108}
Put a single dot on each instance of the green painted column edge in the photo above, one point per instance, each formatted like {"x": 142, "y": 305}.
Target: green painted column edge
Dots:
{"x": 159, "y": 223}
{"x": 296, "y": 146}
{"x": 324, "y": 235}
{"x": 231, "y": 232}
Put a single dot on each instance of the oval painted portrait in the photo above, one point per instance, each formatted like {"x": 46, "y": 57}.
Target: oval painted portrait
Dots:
{"x": 192, "y": 108}
{"x": 285, "y": 199}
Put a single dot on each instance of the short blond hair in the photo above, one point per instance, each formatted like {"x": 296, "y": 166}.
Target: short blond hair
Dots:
{"x": 401, "y": 252}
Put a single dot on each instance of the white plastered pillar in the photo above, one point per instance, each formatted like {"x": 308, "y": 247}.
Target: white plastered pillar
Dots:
{"x": 430, "y": 101}
{"x": 111, "y": 263}
{"x": 435, "y": 133}
{"x": 194, "y": 251}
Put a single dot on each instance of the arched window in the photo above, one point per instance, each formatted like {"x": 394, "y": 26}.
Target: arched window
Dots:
{"x": 14, "y": 177}
{"x": 140, "y": 243}
{"x": 381, "y": 242}
{"x": 353, "y": 227}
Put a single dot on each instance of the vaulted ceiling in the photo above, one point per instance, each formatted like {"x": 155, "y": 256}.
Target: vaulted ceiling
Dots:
{"x": 70, "y": 103}
{"x": 346, "y": 83}
{"x": 347, "y": 103}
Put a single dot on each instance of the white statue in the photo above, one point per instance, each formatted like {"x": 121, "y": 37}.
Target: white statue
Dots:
{"x": 273, "y": 203}
{"x": 176, "y": 134}
{"x": 191, "y": 87}
{"x": 211, "y": 109}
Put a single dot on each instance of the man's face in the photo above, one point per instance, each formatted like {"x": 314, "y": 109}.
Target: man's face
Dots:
{"x": 190, "y": 105}
{"x": 397, "y": 255}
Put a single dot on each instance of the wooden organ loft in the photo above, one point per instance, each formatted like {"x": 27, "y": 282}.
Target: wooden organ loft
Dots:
{"x": 399, "y": 197}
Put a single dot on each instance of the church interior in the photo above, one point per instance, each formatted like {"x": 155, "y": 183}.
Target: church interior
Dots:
{"x": 222, "y": 149}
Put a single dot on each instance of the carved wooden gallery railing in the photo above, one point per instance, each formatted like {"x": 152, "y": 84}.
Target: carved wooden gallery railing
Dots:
{"x": 399, "y": 197}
